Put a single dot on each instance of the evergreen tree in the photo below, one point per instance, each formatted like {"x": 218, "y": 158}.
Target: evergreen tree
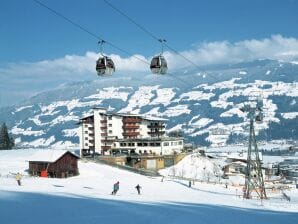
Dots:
{"x": 12, "y": 144}
{"x": 6, "y": 142}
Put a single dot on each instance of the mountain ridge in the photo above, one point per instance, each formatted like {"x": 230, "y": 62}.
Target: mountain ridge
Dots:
{"x": 206, "y": 109}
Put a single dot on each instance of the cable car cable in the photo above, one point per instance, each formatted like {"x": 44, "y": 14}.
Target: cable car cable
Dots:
{"x": 131, "y": 20}
{"x": 87, "y": 31}
{"x": 155, "y": 37}
{"x": 55, "y": 12}
{"x": 67, "y": 19}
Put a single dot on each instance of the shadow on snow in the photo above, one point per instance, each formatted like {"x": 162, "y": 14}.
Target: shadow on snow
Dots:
{"x": 25, "y": 208}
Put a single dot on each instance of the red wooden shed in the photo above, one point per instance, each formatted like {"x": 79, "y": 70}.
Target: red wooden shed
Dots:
{"x": 54, "y": 163}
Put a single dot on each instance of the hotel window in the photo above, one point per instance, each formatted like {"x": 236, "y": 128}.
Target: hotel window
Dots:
{"x": 166, "y": 144}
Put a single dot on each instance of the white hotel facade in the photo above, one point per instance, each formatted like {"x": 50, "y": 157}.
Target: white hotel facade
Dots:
{"x": 104, "y": 133}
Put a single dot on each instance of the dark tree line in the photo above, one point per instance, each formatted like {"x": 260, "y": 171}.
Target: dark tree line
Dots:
{"x": 6, "y": 141}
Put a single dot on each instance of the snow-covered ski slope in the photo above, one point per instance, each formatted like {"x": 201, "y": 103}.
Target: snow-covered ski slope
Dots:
{"x": 87, "y": 198}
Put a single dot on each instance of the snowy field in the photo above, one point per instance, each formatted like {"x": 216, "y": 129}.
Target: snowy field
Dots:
{"x": 87, "y": 198}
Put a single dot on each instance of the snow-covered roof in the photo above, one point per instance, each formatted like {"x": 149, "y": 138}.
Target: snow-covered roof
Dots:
{"x": 49, "y": 155}
{"x": 145, "y": 117}
{"x": 84, "y": 118}
{"x": 243, "y": 156}
{"x": 151, "y": 118}
{"x": 240, "y": 156}
{"x": 237, "y": 163}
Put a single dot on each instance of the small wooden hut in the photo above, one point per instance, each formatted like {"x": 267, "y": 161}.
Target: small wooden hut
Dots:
{"x": 54, "y": 163}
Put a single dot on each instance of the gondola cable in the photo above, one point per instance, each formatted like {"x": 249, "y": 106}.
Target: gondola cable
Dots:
{"x": 155, "y": 37}
{"x": 87, "y": 31}
{"x": 55, "y": 12}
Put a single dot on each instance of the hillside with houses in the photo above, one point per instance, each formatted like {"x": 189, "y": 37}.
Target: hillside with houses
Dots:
{"x": 206, "y": 110}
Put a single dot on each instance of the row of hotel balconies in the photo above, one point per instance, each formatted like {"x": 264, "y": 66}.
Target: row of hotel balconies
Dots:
{"x": 131, "y": 120}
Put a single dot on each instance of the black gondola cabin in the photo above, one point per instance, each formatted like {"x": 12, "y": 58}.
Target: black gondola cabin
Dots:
{"x": 159, "y": 65}
{"x": 105, "y": 66}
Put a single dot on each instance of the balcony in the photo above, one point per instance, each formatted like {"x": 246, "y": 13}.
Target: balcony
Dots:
{"x": 156, "y": 132}
{"x": 131, "y": 133}
{"x": 161, "y": 126}
{"x": 103, "y": 121}
{"x": 104, "y": 134}
{"x": 131, "y": 120}
{"x": 130, "y": 126}
{"x": 107, "y": 140}
{"x": 103, "y": 127}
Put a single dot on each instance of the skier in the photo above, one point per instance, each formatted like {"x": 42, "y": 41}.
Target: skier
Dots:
{"x": 19, "y": 178}
{"x": 115, "y": 188}
{"x": 138, "y": 187}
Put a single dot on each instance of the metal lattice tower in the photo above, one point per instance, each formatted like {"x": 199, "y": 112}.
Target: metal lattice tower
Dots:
{"x": 254, "y": 181}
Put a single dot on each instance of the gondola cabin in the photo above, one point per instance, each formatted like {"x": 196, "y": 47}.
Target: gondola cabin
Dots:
{"x": 54, "y": 163}
{"x": 159, "y": 65}
{"x": 105, "y": 66}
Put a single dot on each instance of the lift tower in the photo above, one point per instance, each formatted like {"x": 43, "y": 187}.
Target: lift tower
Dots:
{"x": 254, "y": 181}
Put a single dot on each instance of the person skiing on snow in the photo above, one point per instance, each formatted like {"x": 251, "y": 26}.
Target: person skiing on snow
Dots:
{"x": 115, "y": 188}
{"x": 138, "y": 187}
{"x": 19, "y": 178}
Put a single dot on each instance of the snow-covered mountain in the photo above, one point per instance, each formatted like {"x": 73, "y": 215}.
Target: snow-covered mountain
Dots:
{"x": 203, "y": 103}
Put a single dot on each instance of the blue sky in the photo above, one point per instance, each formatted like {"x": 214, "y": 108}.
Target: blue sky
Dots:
{"x": 31, "y": 33}
{"x": 36, "y": 43}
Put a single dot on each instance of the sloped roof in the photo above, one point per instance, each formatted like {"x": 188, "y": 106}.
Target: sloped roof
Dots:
{"x": 243, "y": 156}
{"x": 151, "y": 118}
{"x": 49, "y": 155}
{"x": 237, "y": 163}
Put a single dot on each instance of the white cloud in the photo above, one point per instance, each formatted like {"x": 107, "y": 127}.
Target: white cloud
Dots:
{"x": 276, "y": 47}
{"x": 133, "y": 63}
{"x": 32, "y": 77}
{"x": 72, "y": 64}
